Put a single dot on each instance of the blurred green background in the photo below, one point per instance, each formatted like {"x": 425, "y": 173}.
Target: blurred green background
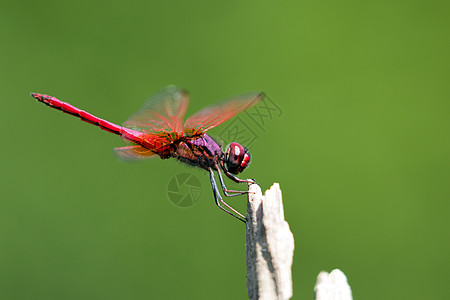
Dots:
{"x": 361, "y": 150}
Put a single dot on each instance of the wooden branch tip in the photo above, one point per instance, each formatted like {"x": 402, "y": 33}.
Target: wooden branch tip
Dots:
{"x": 332, "y": 286}
{"x": 269, "y": 245}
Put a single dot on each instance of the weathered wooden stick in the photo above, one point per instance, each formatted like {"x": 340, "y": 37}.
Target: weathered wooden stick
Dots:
{"x": 270, "y": 246}
{"x": 332, "y": 286}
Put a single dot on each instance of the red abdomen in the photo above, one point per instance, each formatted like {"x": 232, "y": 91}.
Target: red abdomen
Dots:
{"x": 129, "y": 134}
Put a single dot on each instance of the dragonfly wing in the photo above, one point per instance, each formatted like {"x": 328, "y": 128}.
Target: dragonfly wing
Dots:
{"x": 216, "y": 114}
{"x": 162, "y": 115}
{"x": 133, "y": 152}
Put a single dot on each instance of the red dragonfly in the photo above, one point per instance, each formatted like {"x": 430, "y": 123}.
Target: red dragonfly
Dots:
{"x": 158, "y": 129}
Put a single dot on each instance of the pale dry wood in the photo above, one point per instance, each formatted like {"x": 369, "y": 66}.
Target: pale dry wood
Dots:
{"x": 270, "y": 246}
{"x": 332, "y": 286}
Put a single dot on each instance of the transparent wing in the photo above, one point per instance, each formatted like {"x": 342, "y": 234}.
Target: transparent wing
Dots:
{"x": 162, "y": 115}
{"x": 133, "y": 153}
{"x": 216, "y": 114}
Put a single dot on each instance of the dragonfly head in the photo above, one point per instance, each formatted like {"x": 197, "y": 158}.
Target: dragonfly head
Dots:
{"x": 237, "y": 158}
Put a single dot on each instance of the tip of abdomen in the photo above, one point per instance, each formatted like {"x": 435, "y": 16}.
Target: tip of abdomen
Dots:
{"x": 36, "y": 96}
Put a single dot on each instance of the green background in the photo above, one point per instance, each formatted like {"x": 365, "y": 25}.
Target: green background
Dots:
{"x": 361, "y": 150}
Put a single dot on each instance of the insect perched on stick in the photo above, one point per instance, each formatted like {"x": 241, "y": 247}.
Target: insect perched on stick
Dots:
{"x": 158, "y": 129}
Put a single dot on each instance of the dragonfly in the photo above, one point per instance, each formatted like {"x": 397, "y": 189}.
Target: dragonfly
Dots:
{"x": 157, "y": 129}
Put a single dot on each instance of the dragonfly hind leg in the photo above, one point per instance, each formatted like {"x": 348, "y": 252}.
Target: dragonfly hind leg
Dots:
{"x": 218, "y": 199}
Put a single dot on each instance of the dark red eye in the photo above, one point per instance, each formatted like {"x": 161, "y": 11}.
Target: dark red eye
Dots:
{"x": 236, "y": 158}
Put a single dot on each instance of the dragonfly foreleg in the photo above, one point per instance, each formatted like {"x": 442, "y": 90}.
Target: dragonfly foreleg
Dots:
{"x": 224, "y": 188}
{"x": 234, "y": 178}
{"x": 219, "y": 200}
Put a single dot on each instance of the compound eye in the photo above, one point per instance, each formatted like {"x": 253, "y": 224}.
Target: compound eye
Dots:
{"x": 234, "y": 157}
{"x": 236, "y": 154}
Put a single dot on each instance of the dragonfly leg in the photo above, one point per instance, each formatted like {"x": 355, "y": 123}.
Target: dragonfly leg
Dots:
{"x": 219, "y": 200}
{"x": 234, "y": 178}
{"x": 224, "y": 188}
